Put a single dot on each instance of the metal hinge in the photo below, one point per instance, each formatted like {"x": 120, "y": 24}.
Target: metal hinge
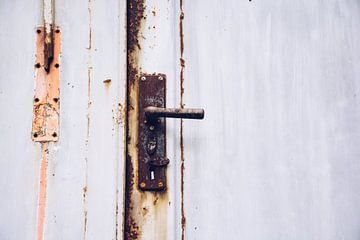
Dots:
{"x": 45, "y": 125}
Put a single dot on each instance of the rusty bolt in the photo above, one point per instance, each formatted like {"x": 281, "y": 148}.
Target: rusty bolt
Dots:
{"x": 142, "y": 184}
{"x": 161, "y": 78}
{"x": 143, "y": 78}
{"x": 160, "y": 184}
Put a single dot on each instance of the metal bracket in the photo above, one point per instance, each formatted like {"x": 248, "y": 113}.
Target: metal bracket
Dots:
{"x": 152, "y": 135}
{"x": 45, "y": 125}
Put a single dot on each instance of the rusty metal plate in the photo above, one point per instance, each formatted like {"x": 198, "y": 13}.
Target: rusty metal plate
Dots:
{"x": 45, "y": 125}
{"x": 152, "y": 159}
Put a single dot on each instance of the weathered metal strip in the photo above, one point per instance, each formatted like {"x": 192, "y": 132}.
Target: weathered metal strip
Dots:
{"x": 45, "y": 126}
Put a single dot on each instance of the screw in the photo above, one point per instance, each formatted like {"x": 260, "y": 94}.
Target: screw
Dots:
{"x": 161, "y": 78}
{"x": 142, "y": 184}
{"x": 151, "y": 128}
{"x": 143, "y": 78}
{"x": 160, "y": 184}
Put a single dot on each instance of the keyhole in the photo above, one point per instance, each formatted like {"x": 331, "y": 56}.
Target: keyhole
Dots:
{"x": 152, "y": 174}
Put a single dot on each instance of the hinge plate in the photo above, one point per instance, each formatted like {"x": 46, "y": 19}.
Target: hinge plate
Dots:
{"x": 46, "y": 102}
{"x": 152, "y": 159}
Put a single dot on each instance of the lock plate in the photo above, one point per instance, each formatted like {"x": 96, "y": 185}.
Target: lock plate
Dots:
{"x": 152, "y": 159}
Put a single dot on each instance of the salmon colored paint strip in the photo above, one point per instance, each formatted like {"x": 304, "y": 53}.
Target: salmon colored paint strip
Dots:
{"x": 46, "y": 108}
{"x": 42, "y": 193}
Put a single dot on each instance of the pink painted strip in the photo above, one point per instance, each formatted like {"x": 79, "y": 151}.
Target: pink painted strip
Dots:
{"x": 42, "y": 193}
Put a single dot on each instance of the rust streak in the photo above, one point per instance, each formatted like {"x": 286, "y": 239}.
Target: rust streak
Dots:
{"x": 182, "y": 68}
{"x": 88, "y": 117}
{"x": 42, "y": 192}
{"x": 135, "y": 16}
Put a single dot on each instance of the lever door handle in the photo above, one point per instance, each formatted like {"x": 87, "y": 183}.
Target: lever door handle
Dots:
{"x": 152, "y": 112}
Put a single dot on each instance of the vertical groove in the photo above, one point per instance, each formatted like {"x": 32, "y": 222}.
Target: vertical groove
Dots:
{"x": 182, "y": 68}
{"x": 42, "y": 192}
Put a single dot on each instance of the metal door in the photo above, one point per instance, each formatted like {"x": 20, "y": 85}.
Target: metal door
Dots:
{"x": 71, "y": 188}
{"x": 277, "y": 154}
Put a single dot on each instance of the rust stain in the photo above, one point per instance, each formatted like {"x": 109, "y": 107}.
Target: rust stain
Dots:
{"x": 135, "y": 200}
{"x": 42, "y": 192}
{"x": 107, "y": 83}
{"x": 88, "y": 117}
{"x": 182, "y": 69}
{"x": 145, "y": 211}
{"x": 85, "y": 210}
{"x": 135, "y": 15}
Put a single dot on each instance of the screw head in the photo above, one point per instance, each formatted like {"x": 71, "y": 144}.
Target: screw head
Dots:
{"x": 161, "y": 78}
{"x": 142, "y": 184}
{"x": 143, "y": 78}
{"x": 160, "y": 184}
{"x": 152, "y": 128}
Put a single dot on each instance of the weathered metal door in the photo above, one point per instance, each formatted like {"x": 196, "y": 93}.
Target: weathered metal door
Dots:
{"x": 277, "y": 156}
{"x": 70, "y": 187}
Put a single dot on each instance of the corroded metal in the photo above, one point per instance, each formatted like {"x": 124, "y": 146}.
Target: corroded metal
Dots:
{"x": 45, "y": 126}
{"x": 191, "y": 113}
{"x": 152, "y": 134}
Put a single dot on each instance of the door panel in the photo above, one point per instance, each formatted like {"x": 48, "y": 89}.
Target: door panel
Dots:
{"x": 83, "y": 173}
{"x": 19, "y": 156}
{"x": 277, "y": 155}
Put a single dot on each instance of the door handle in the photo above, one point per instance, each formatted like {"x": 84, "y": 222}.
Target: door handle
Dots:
{"x": 152, "y": 113}
{"x": 152, "y": 160}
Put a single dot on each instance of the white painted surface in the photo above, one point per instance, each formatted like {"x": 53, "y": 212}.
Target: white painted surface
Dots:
{"x": 19, "y": 156}
{"x": 277, "y": 156}
{"x": 90, "y": 152}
